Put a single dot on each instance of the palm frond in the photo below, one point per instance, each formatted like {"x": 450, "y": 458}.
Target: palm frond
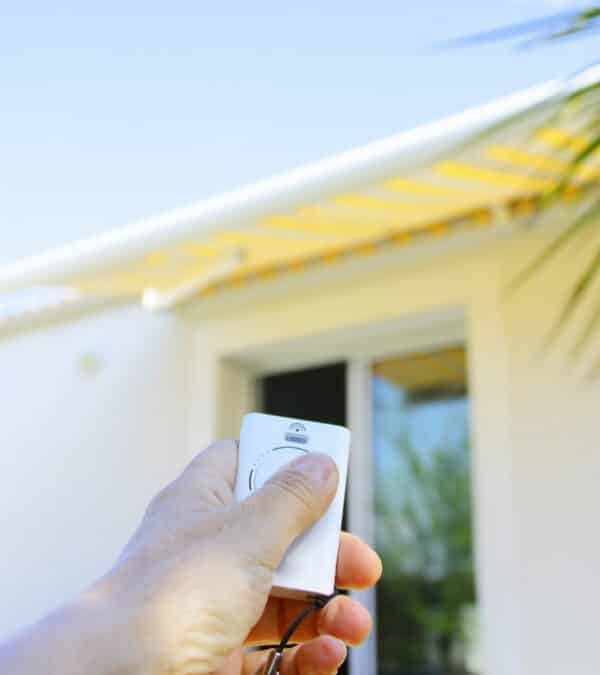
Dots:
{"x": 578, "y": 105}
{"x": 582, "y": 92}
{"x": 586, "y": 219}
{"x": 590, "y": 328}
{"x": 577, "y": 25}
{"x": 578, "y": 113}
{"x": 554, "y": 22}
{"x": 560, "y": 26}
{"x": 594, "y": 371}
{"x": 583, "y": 22}
{"x": 575, "y": 165}
{"x": 577, "y": 295}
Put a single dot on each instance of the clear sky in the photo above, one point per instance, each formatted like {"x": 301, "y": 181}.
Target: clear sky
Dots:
{"x": 117, "y": 113}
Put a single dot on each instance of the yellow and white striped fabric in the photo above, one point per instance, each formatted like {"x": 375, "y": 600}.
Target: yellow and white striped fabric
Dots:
{"x": 452, "y": 194}
{"x": 433, "y": 181}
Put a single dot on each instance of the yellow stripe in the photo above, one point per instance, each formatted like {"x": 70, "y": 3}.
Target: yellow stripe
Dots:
{"x": 541, "y": 162}
{"x": 339, "y": 230}
{"x": 384, "y": 205}
{"x": 524, "y": 207}
{"x": 257, "y": 239}
{"x": 366, "y": 249}
{"x": 481, "y": 217}
{"x": 238, "y": 280}
{"x": 155, "y": 259}
{"x": 197, "y": 250}
{"x": 361, "y": 210}
{"x": 504, "y": 153}
{"x": 588, "y": 172}
{"x": 372, "y": 215}
{"x": 297, "y": 266}
{"x": 413, "y": 187}
{"x": 491, "y": 177}
{"x": 559, "y": 139}
{"x": 571, "y": 194}
{"x": 402, "y": 238}
{"x": 332, "y": 256}
{"x": 267, "y": 273}
{"x": 342, "y": 214}
{"x": 439, "y": 229}
{"x": 394, "y": 216}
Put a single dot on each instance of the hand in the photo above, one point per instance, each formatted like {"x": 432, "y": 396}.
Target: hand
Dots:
{"x": 194, "y": 580}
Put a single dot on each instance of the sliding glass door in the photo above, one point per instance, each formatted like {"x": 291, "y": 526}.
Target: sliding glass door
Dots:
{"x": 426, "y": 604}
{"x": 411, "y": 452}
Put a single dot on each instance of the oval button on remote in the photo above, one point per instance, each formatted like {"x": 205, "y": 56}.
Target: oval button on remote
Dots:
{"x": 270, "y": 462}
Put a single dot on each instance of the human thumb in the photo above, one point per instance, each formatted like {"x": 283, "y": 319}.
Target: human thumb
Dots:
{"x": 290, "y": 502}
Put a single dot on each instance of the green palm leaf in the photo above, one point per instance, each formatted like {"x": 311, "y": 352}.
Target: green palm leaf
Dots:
{"x": 578, "y": 293}
{"x": 582, "y": 92}
{"x": 579, "y": 112}
{"x": 570, "y": 172}
{"x": 588, "y": 218}
{"x": 590, "y": 328}
{"x": 555, "y": 27}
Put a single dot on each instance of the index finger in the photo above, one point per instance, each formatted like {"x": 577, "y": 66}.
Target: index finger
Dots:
{"x": 358, "y": 565}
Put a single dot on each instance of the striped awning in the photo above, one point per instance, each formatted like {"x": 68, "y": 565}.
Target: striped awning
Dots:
{"x": 460, "y": 173}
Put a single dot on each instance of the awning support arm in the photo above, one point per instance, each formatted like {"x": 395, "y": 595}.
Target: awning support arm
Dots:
{"x": 155, "y": 300}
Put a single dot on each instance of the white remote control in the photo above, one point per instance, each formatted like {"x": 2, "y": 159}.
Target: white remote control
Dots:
{"x": 267, "y": 443}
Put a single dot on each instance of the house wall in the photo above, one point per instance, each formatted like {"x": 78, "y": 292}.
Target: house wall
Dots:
{"x": 535, "y": 419}
{"x": 93, "y": 423}
{"x": 555, "y": 436}
{"x": 98, "y": 414}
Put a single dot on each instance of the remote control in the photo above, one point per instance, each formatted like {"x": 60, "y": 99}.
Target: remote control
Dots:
{"x": 267, "y": 443}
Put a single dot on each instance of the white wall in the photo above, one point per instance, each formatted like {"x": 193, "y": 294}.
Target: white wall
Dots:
{"x": 555, "y": 432}
{"x": 536, "y": 421}
{"x": 82, "y": 453}
{"x": 93, "y": 419}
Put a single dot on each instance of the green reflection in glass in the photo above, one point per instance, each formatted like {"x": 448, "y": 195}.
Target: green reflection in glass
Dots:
{"x": 427, "y": 595}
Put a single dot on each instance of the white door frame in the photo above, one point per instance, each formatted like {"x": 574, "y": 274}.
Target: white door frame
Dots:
{"x": 360, "y": 503}
{"x": 237, "y": 394}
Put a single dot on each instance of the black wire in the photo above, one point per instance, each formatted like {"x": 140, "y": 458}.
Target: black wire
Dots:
{"x": 319, "y": 601}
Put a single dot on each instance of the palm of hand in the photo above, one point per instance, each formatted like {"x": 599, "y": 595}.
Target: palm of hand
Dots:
{"x": 197, "y": 575}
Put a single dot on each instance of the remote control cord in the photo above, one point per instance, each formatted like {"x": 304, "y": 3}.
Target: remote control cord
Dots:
{"x": 319, "y": 601}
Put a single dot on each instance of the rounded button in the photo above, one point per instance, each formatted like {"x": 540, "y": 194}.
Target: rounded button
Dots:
{"x": 270, "y": 462}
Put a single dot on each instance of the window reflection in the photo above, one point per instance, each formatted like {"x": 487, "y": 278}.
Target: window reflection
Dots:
{"x": 427, "y": 619}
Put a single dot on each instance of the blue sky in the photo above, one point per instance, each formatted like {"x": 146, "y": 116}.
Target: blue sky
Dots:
{"x": 117, "y": 113}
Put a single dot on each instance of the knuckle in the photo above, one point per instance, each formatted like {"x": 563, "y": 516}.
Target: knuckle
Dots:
{"x": 297, "y": 487}
{"x": 258, "y": 572}
{"x": 218, "y": 492}
{"x": 160, "y": 499}
{"x": 214, "y": 450}
{"x": 209, "y": 488}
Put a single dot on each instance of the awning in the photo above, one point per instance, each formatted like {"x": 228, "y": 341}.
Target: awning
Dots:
{"x": 462, "y": 172}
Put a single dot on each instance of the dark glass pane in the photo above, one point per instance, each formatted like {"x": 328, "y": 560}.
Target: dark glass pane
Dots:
{"x": 426, "y": 599}
{"x": 317, "y": 394}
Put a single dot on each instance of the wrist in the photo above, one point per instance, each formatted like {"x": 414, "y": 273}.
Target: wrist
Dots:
{"x": 90, "y": 635}
{"x": 104, "y": 624}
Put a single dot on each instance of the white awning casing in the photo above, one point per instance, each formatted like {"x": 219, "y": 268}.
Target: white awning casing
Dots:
{"x": 448, "y": 175}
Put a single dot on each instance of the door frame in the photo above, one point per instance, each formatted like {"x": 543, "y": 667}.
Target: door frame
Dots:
{"x": 359, "y": 349}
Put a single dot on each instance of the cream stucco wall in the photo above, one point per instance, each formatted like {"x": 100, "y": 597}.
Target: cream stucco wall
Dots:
{"x": 536, "y": 420}
{"x": 85, "y": 441}
{"x": 92, "y": 425}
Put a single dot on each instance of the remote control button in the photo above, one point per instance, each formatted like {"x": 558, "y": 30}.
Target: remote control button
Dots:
{"x": 270, "y": 462}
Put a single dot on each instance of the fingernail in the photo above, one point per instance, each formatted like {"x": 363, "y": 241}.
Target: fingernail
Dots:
{"x": 319, "y": 467}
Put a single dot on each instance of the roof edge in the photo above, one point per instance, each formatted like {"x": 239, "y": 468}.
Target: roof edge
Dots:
{"x": 317, "y": 180}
